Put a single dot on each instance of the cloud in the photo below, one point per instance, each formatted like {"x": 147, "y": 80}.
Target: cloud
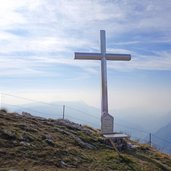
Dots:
{"x": 48, "y": 32}
{"x": 158, "y": 61}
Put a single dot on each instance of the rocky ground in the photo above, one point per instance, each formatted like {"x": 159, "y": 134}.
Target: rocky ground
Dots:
{"x": 29, "y": 143}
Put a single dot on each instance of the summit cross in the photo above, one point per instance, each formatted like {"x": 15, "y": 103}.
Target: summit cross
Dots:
{"x": 106, "y": 118}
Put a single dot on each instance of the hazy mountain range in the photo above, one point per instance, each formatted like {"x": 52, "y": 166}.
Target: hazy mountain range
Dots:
{"x": 162, "y": 138}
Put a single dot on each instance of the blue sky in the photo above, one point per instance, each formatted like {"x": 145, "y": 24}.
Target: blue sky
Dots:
{"x": 38, "y": 40}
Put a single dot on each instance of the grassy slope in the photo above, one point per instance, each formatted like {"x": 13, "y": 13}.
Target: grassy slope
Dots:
{"x": 28, "y": 143}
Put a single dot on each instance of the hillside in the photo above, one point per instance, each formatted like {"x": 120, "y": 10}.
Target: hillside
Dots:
{"x": 164, "y": 143}
{"x": 36, "y": 144}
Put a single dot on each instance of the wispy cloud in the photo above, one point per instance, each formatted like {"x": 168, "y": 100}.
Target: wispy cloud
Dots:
{"x": 48, "y": 32}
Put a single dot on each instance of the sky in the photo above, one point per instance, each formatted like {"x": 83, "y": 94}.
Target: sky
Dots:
{"x": 38, "y": 40}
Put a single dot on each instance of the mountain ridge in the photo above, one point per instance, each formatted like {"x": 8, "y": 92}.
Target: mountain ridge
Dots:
{"x": 163, "y": 139}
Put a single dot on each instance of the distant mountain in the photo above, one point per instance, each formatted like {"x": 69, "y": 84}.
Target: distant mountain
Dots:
{"x": 162, "y": 138}
{"x": 148, "y": 120}
{"x": 30, "y": 143}
{"x": 165, "y": 119}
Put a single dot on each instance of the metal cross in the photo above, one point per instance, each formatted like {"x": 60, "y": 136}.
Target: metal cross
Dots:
{"x": 103, "y": 56}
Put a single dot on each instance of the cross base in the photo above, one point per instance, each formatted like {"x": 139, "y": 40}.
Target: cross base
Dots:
{"x": 107, "y": 124}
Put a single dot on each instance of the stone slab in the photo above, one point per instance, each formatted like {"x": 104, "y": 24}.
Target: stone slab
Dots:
{"x": 107, "y": 124}
{"x": 115, "y": 136}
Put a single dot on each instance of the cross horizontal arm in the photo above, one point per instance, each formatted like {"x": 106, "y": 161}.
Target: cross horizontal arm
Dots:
{"x": 118, "y": 57}
{"x": 98, "y": 56}
{"x": 88, "y": 56}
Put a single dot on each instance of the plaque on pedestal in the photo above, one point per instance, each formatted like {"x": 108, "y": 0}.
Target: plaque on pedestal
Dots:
{"x": 107, "y": 124}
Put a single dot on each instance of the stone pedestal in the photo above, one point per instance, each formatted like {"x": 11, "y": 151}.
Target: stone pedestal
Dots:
{"x": 107, "y": 124}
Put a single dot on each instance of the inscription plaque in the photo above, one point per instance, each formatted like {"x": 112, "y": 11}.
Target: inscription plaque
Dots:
{"x": 107, "y": 124}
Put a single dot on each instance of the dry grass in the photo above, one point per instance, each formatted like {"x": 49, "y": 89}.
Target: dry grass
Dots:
{"x": 33, "y": 144}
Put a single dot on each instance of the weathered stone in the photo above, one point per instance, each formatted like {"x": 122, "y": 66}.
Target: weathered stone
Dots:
{"x": 26, "y": 114}
{"x": 63, "y": 164}
{"x": 107, "y": 124}
{"x": 24, "y": 143}
{"x": 77, "y": 140}
{"x": 50, "y": 142}
{"x": 7, "y": 134}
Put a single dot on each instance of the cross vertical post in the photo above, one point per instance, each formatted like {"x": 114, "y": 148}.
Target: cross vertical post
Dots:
{"x": 104, "y": 98}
